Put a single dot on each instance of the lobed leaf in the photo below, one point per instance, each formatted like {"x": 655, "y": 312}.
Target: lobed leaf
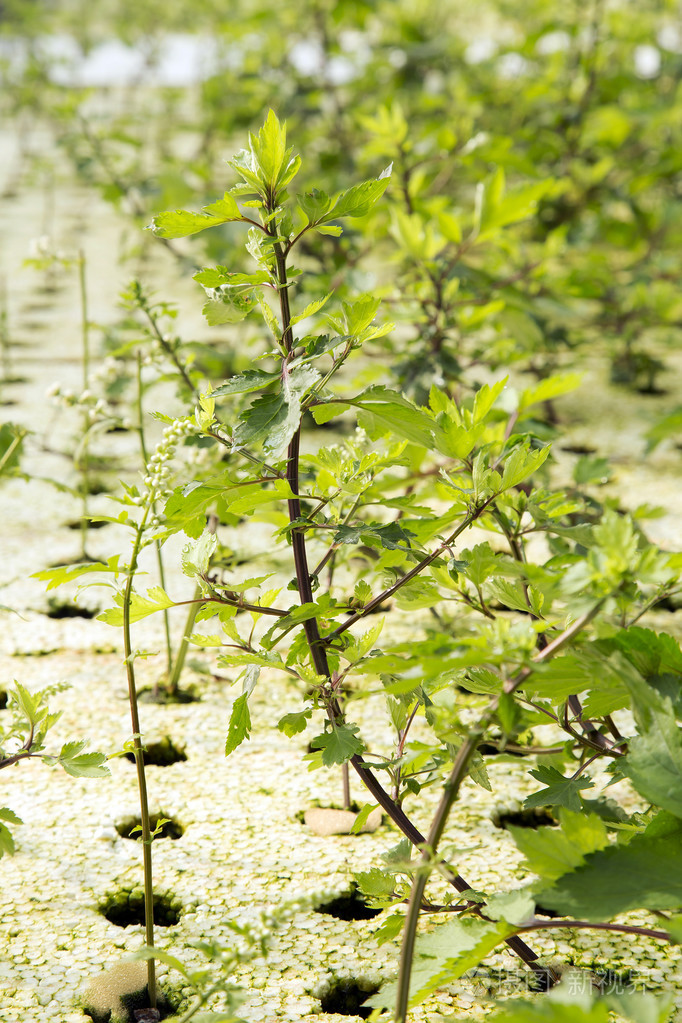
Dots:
{"x": 181, "y": 223}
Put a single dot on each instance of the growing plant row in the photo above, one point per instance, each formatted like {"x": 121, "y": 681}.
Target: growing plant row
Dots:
{"x": 433, "y": 506}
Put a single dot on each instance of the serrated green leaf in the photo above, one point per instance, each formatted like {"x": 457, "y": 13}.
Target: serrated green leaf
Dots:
{"x": 67, "y": 573}
{"x": 270, "y": 319}
{"x": 140, "y": 607}
{"x": 358, "y": 200}
{"x": 218, "y": 276}
{"x": 236, "y": 658}
{"x": 181, "y": 223}
{"x": 196, "y": 556}
{"x": 239, "y": 727}
{"x": 27, "y": 702}
{"x": 485, "y": 398}
{"x": 6, "y": 842}
{"x": 85, "y": 765}
{"x": 654, "y": 760}
{"x": 9, "y": 815}
{"x": 551, "y": 852}
{"x": 314, "y": 205}
{"x": 382, "y": 410}
{"x": 522, "y": 463}
{"x": 269, "y": 150}
{"x": 292, "y": 724}
{"x": 338, "y": 745}
{"x": 392, "y": 536}
{"x": 361, "y": 646}
{"x": 389, "y": 929}
{"x": 443, "y": 955}
{"x": 478, "y": 679}
{"x": 560, "y": 791}
{"x": 274, "y": 418}
{"x": 374, "y": 883}
{"x": 509, "y": 594}
{"x": 362, "y": 817}
{"x": 231, "y": 307}
{"x": 644, "y": 874}
{"x": 550, "y": 387}
{"x": 514, "y": 907}
{"x": 252, "y": 380}
{"x": 311, "y": 309}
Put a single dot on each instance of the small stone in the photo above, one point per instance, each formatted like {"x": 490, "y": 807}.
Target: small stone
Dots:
{"x": 325, "y": 822}
{"x": 105, "y": 994}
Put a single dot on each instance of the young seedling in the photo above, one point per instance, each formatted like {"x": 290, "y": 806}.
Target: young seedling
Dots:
{"x": 24, "y": 739}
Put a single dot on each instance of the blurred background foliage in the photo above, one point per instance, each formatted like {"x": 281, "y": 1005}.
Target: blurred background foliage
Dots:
{"x": 533, "y": 218}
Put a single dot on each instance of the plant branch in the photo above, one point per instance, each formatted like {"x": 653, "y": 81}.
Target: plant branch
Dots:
{"x": 646, "y": 932}
{"x": 418, "y": 568}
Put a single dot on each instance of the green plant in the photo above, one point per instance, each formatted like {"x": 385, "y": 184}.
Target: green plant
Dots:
{"x": 442, "y": 469}
{"x": 24, "y": 739}
{"x": 534, "y": 632}
{"x": 586, "y": 259}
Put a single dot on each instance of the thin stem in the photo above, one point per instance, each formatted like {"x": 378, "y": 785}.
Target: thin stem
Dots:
{"x": 139, "y": 763}
{"x": 157, "y": 543}
{"x": 8, "y": 761}
{"x": 174, "y": 676}
{"x": 170, "y": 352}
{"x": 345, "y": 780}
{"x": 646, "y": 932}
{"x": 84, "y": 456}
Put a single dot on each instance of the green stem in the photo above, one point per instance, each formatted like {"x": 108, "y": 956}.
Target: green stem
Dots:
{"x": 139, "y": 763}
{"x": 177, "y": 665}
{"x": 157, "y": 544}
{"x": 85, "y": 343}
{"x": 174, "y": 675}
{"x": 345, "y": 781}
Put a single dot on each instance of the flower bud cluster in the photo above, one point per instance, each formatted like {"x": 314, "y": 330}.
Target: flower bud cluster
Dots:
{"x": 158, "y": 470}
{"x": 108, "y": 371}
{"x": 43, "y": 249}
{"x": 95, "y": 409}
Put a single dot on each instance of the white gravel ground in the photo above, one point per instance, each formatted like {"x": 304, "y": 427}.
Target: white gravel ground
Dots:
{"x": 243, "y": 848}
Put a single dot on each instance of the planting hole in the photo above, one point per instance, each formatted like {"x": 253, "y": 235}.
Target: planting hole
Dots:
{"x": 171, "y": 829}
{"x": 89, "y": 524}
{"x": 163, "y": 696}
{"x": 349, "y": 906}
{"x": 126, "y": 909}
{"x": 535, "y": 818}
{"x": 544, "y": 911}
{"x": 490, "y": 749}
{"x": 161, "y": 754}
{"x": 346, "y": 997}
{"x": 69, "y": 610}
